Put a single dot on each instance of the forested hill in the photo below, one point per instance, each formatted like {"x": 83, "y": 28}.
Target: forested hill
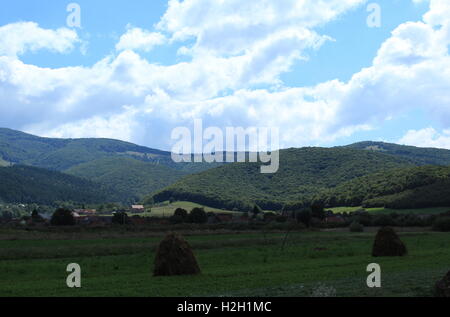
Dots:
{"x": 25, "y": 184}
{"x": 303, "y": 173}
{"x": 416, "y": 155}
{"x": 129, "y": 176}
{"x": 60, "y": 154}
{"x": 416, "y": 187}
{"x": 132, "y": 169}
{"x": 129, "y": 172}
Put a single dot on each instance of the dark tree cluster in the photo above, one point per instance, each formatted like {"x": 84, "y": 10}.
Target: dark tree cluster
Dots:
{"x": 197, "y": 215}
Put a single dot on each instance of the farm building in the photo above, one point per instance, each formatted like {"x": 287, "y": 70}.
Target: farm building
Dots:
{"x": 137, "y": 208}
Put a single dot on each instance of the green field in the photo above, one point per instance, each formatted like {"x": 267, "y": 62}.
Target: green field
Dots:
{"x": 248, "y": 264}
{"x": 420, "y": 211}
{"x": 167, "y": 210}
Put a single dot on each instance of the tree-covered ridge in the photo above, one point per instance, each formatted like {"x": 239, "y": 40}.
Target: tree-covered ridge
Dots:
{"x": 25, "y": 184}
{"x": 425, "y": 186}
{"x": 131, "y": 169}
{"x": 132, "y": 177}
{"x": 62, "y": 154}
{"x": 417, "y": 155}
{"x": 303, "y": 173}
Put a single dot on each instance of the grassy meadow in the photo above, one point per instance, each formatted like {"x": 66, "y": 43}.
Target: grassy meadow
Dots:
{"x": 166, "y": 209}
{"x": 418, "y": 211}
{"x": 301, "y": 263}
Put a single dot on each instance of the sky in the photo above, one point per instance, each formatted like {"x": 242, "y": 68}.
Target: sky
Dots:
{"x": 324, "y": 72}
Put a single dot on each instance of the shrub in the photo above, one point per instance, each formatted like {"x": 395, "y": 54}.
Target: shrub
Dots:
{"x": 120, "y": 218}
{"x": 442, "y": 224}
{"x": 270, "y": 216}
{"x": 198, "y": 215}
{"x": 316, "y": 223}
{"x": 383, "y": 221}
{"x": 176, "y": 219}
{"x": 318, "y": 211}
{"x": 62, "y": 217}
{"x": 181, "y": 214}
{"x": 304, "y": 217}
{"x": 36, "y": 217}
{"x": 356, "y": 227}
{"x": 363, "y": 218}
{"x": 256, "y": 211}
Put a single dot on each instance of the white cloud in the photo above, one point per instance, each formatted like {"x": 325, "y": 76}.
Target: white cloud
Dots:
{"x": 139, "y": 39}
{"x": 118, "y": 126}
{"x": 428, "y": 137}
{"x": 233, "y": 26}
{"x": 18, "y": 38}
{"x": 128, "y": 97}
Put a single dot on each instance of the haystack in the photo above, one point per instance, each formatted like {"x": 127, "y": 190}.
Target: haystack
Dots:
{"x": 388, "y": 243}
{"x": 175, "y": 257}
{"x": 442, "y": 288}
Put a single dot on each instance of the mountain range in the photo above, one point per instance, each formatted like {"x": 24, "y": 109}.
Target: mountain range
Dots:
{"x": 304, "y": 175}
{"x": 365, "y": 173}
{"x": 129, "y": 170}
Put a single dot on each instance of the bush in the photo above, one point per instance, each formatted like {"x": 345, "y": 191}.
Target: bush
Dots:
{"x": 410, "y": 221}
{"x": 304, "y": 217}
{"x": 356, "y": 227}
{"x": 316, "y": 223}
{"x": 363, "y": 218}
{"x": 442, "y": 224}
{"x": 36, "y": 217}
{"x": 182, "y": 214}
{"x": 256, "y": 211}
{"x": 270, "y": 216}
{"x": 176, "y": 219}
{"x": 318, "y": 211}
{"x": 62, "y": 217}
{"x": 120, "y": 218}
{"x": 383, "y": 221}
{"x": 198, "y": 215}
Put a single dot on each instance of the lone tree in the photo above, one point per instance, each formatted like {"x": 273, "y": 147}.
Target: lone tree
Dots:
{"x": 180, "y": 216}
{"x": 36, "y": 217}
{"x": 388, "y": 243}
{"x": 175, "y": 257}
{"x": 62, "y": 217}
{"x": 256, "y": 211}
{"x": 198, "y": 215}
{"x": 442, "y": 287}
{"x": 304, "y": 216}
{"x": 318, "y": 211}
{"x": 182, "y": 213}
{"x": 120, "y": 218}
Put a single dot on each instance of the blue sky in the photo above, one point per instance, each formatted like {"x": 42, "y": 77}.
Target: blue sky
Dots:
{"x": 137, "y": 69}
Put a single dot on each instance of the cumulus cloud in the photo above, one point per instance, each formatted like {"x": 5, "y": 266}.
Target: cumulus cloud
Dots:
{"x": 231, "y": 27}
{"x": 428, "y": 137}
{"x": 18, "y": 38}
{"x": 125, "y": 96}
{"x": 139, "y": 39}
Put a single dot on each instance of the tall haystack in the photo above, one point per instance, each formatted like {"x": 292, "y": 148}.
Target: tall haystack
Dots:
{"x": 442, "y": 288}
{"x": 175, "y": 257}
{"x": 388, "y": 243}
